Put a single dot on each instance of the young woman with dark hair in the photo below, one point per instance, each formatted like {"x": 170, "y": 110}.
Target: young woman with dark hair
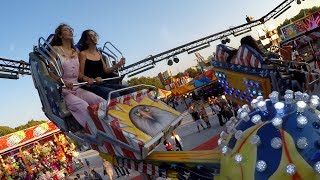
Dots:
{"x": 93, "y": 66}
{"x": 250, "y": 41}
{"x": 77, "y": 99}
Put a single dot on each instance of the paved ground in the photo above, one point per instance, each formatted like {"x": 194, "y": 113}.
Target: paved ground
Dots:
{"x": 187, "y": 130}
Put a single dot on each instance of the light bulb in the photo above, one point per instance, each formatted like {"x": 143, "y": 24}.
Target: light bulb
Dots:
{"x": 301, "y": 121}
{"x": 238, "y": 134}
{"x": 259, "y": 98}
{"x": 246, "y": 108}
{"x": 305, "y": 97}
{"x": 314, "y": 103}
{"x": 274, "y": 97}
{"x": 288, "y": 91}
{"x": 244, "y": 116}
{"x": 255, "y": 140}
{"x": 315, "y": 97}
{"x": 277, "y": 122}
{"x": 261, "y": 166}
{"x": 301, "y": 105}
{"x": 256, "y": 119}
{"x": 316, "y": 167}
{"x": 276, "y": 143}
{"x": 288, "y": 98}
{"x": 224, "y": 150}
{"x": 290, "y": 169}
{"x": 262, "y": 106}
{"x": 298, "y": 96}
{"x": 238, "y": 158}
{"x": 279, "y": 107}
{"x": 220, "y": 141}
{"x": 302, "y": 143}
{"x": 254, "y": 103}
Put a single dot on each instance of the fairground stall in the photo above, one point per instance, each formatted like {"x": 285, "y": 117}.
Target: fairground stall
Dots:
{"x": 303, "y": 36}
{"x": 30, "y": 153}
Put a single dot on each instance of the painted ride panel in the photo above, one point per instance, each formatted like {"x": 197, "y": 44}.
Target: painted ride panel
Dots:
{"x": 243, "y": 78}
{"x": 274, "y": 140}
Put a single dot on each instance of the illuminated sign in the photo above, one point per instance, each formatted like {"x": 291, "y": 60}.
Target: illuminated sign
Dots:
{"x": 301, "y": 26}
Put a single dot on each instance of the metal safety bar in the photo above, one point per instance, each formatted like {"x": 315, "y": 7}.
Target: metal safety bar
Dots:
{"x": 106, "y": 47}
{"x": 94, "y": 81}
{"x": 44, "y": 49}
{"x": 308, "y": 72}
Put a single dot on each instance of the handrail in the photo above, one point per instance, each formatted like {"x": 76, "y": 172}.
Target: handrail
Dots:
{"x": 94, "y": 81}
{"x": 131, "y": 87}
{"x": 113, "y": 56}
{"x": 308, "y": 72}
{"x": 55, "y": 62}
{"x": 106, "y": 47}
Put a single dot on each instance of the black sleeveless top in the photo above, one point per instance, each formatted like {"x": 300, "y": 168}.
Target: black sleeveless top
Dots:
{"x": 94, "y": 69}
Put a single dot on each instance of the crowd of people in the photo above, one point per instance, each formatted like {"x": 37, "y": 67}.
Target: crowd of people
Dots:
{"x": 223, "y": 108}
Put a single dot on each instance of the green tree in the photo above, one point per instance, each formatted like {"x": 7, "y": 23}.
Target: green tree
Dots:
{"x": 30, "y": 123}
{"x": 4, "y": 130}
{"x": 179, "y": 75}
{"x": 154, "y": 81}
{"x": 193, "y": 72}
{"x": 301, "y": 14}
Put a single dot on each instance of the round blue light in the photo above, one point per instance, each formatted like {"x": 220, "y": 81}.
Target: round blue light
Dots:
{"x": 257, "y": 84}
{"x": 251, "y": 83}
{"x": 259, "y": 93}
{"x": 254, "y": 92}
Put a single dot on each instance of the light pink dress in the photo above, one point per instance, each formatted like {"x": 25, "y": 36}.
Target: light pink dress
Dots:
{"x": 77, "y": 99}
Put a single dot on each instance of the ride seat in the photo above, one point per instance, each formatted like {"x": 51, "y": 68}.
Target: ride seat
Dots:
{"x": 247, "y": 56}
{"x": 223, "y": 52}
{"x": 52, "y": 101}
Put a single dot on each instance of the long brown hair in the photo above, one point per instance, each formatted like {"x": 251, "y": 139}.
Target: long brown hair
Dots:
{"x": 83, "y": 45}
{"x": 57, "y": 41}
{"x": 250, "y": 41}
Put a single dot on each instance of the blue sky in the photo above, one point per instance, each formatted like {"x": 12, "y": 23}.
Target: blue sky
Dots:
{"x": 138, "y": 28}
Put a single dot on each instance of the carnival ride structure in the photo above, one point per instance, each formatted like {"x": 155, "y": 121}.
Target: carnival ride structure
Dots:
{"x": 114, "y": 128}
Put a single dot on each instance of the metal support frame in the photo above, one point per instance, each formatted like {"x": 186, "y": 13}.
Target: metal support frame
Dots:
{"x": 10, "y": 69}
{"x": 22, "y": 67}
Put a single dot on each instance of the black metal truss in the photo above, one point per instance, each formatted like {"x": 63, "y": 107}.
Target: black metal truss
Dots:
{"x": 150, "y": 61}
{"x": 11, "y": 68}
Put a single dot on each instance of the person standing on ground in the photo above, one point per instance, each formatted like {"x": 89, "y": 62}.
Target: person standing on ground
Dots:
{"x": 87, "y": 176}
{"x": 96, "y": 175}
{"x": 177, "y": 141}
{"x": 108, "y": 169}
{"x": 168, "y": 145}
{"x": 196, "y": 117}
{"x": 215, "y": 107}
{"x": 205, "y": 117}
{"x": 87, "y": 162}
